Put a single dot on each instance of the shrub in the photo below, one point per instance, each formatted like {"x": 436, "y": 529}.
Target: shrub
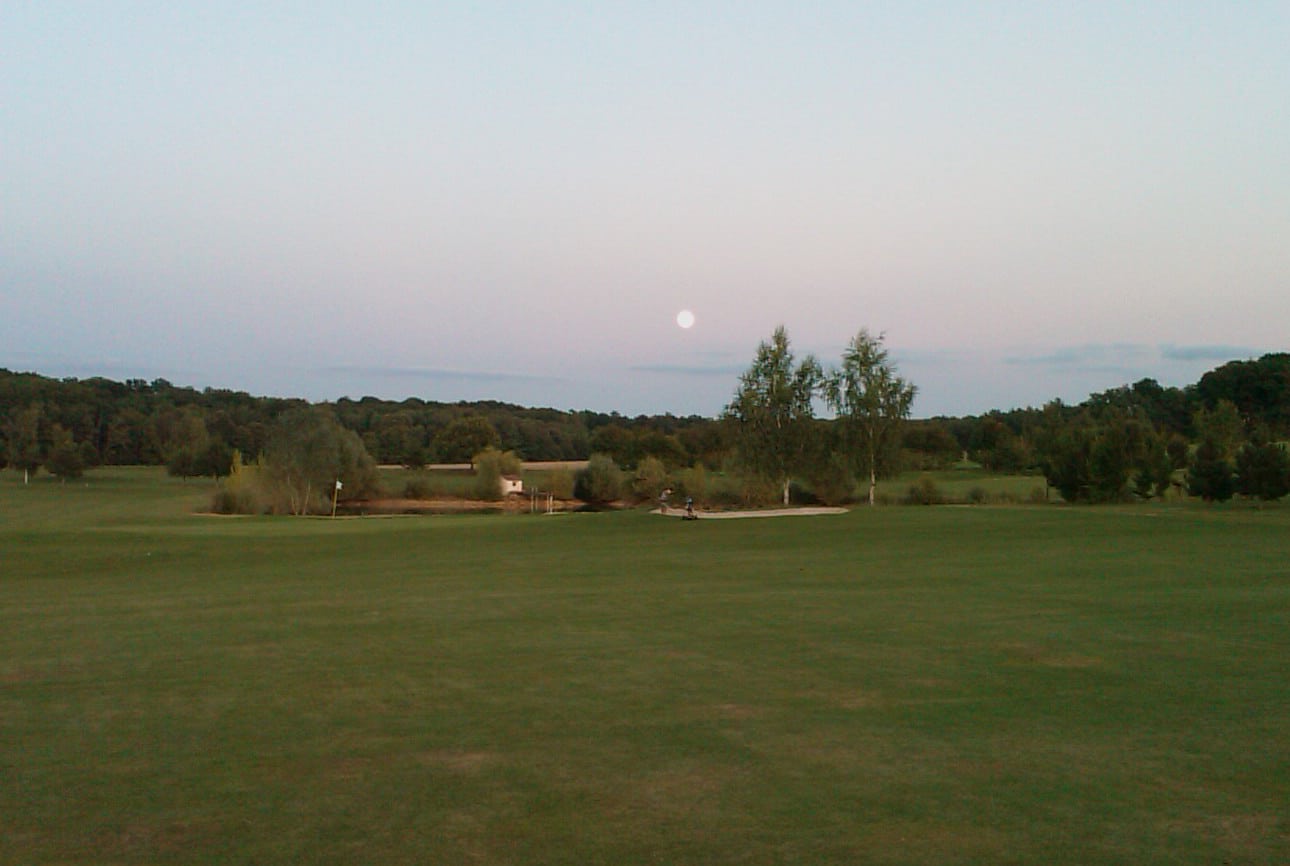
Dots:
{"x": 801, "y": 494}
{"x": 977, "y": 496}
{"x": 722, "y": 490}
{"x": 692, "y": 483}
{"x": 560, "y": 484}
{"x": 650, "y": 479}
{"x": 418, "y": 488}
{"x": 600, "y": 482}
{"x": 759, "y": 491}
{"x": 832, "y": 481}
{"x": 834, "y": 490}
{"x": 490, "y": 466}
{"x": 244, "y": 491}
{"x": 224, "y": 502}
{"x": 924, "y": 492}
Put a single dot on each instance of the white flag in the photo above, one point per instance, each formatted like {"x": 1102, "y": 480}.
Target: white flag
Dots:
{"x": 339, "y": 486}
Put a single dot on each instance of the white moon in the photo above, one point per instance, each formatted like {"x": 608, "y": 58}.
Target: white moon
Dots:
{"x": 685, "y": 319}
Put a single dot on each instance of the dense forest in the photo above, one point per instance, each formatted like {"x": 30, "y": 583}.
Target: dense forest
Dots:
{"x": 196, "y": 431}
{"x": 68, "y": 425}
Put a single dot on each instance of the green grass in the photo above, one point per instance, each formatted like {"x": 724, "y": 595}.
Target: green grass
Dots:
{"x": 897, "y": 685}
{"x": 456, "y": 482}
{"x": 434, "y": 482}
{"x": 955, "y": 485}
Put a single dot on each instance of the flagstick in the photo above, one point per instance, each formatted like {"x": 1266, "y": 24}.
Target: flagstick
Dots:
{"x": 335, "y": 493}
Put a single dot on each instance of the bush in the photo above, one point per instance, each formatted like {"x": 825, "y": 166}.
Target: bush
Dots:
{"x": 801, "y": 494}
{"x": 224, "y": 502}
{"x": 978, "y": 496}
{"x": 600, "y": 482}
{"x": 418, "y": 488}
{"x": 833, "y": 486}
{"x": 246, "y": 490}
{"x": 924, "y": 492}
{"x": 692, "y": 483}
{"x": 758, "y": 491}
{"x": 650, "y": 480}
{"x": 559, "y": 483}
{"x": 490, "y": 466}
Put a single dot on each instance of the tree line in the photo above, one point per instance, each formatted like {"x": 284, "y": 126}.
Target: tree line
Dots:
{"x": 1215, "y": 438}
{"x": 1221, "y": 436}
{"x": 69, "y": 425}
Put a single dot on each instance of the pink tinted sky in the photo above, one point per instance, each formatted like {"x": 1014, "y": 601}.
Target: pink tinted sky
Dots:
{"x": 512, "y": 201}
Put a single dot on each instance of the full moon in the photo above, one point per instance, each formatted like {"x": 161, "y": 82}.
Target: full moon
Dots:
{"x": 685, "y": 319}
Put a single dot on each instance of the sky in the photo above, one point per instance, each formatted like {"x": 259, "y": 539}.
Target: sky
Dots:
{"x": 512, "y": 201}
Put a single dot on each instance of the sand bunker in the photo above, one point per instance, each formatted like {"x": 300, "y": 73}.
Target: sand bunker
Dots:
{"x": 760, "y": 512}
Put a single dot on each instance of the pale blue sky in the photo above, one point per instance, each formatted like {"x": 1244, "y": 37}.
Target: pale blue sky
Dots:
{"x": 513, "y": 200}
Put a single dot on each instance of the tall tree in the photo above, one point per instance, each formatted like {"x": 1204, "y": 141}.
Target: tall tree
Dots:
{"x": 65, "y": 458}
{"x": 1263, "y": 468}
{"x": 1222, "y": 426}
{"x": 1155, "y": 469}
{"x": 464, "y": 438}
{"x": 22, "y": 435}
{"x": 772, "y": 412}
{"x": 1260, "y": 389}
{"x": 308, "y": 452}
{"x": 871, "y": 402}
{"x": 1210, "y": 475}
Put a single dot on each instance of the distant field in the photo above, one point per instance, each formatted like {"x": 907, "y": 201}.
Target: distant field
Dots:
{"x": 983, "y": 685}
{"x": 958, "y": 484}
{"x": 458, "y": 479}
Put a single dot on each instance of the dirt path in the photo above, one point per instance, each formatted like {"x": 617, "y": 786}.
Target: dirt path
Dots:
{"x": 761, "y": 512}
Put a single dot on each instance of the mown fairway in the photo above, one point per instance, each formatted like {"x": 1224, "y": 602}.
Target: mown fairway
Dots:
{"x": 905, "y": 685}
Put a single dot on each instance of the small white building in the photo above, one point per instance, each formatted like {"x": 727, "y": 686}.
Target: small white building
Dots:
{"x": 512, "y": 484}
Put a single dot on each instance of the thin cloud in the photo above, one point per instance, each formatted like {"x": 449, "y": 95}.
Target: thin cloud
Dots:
{"x": 1091, "y": 358}
{"x": 918, "y": 357}
{"x": 1206, "y": 353}
{"x": 723, "y": 370}
{"x": 426, "y": 373}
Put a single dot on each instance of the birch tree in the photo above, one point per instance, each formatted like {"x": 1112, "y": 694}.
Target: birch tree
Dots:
{"x": 871, "y": 403}
{"x": 772, "y": 412}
